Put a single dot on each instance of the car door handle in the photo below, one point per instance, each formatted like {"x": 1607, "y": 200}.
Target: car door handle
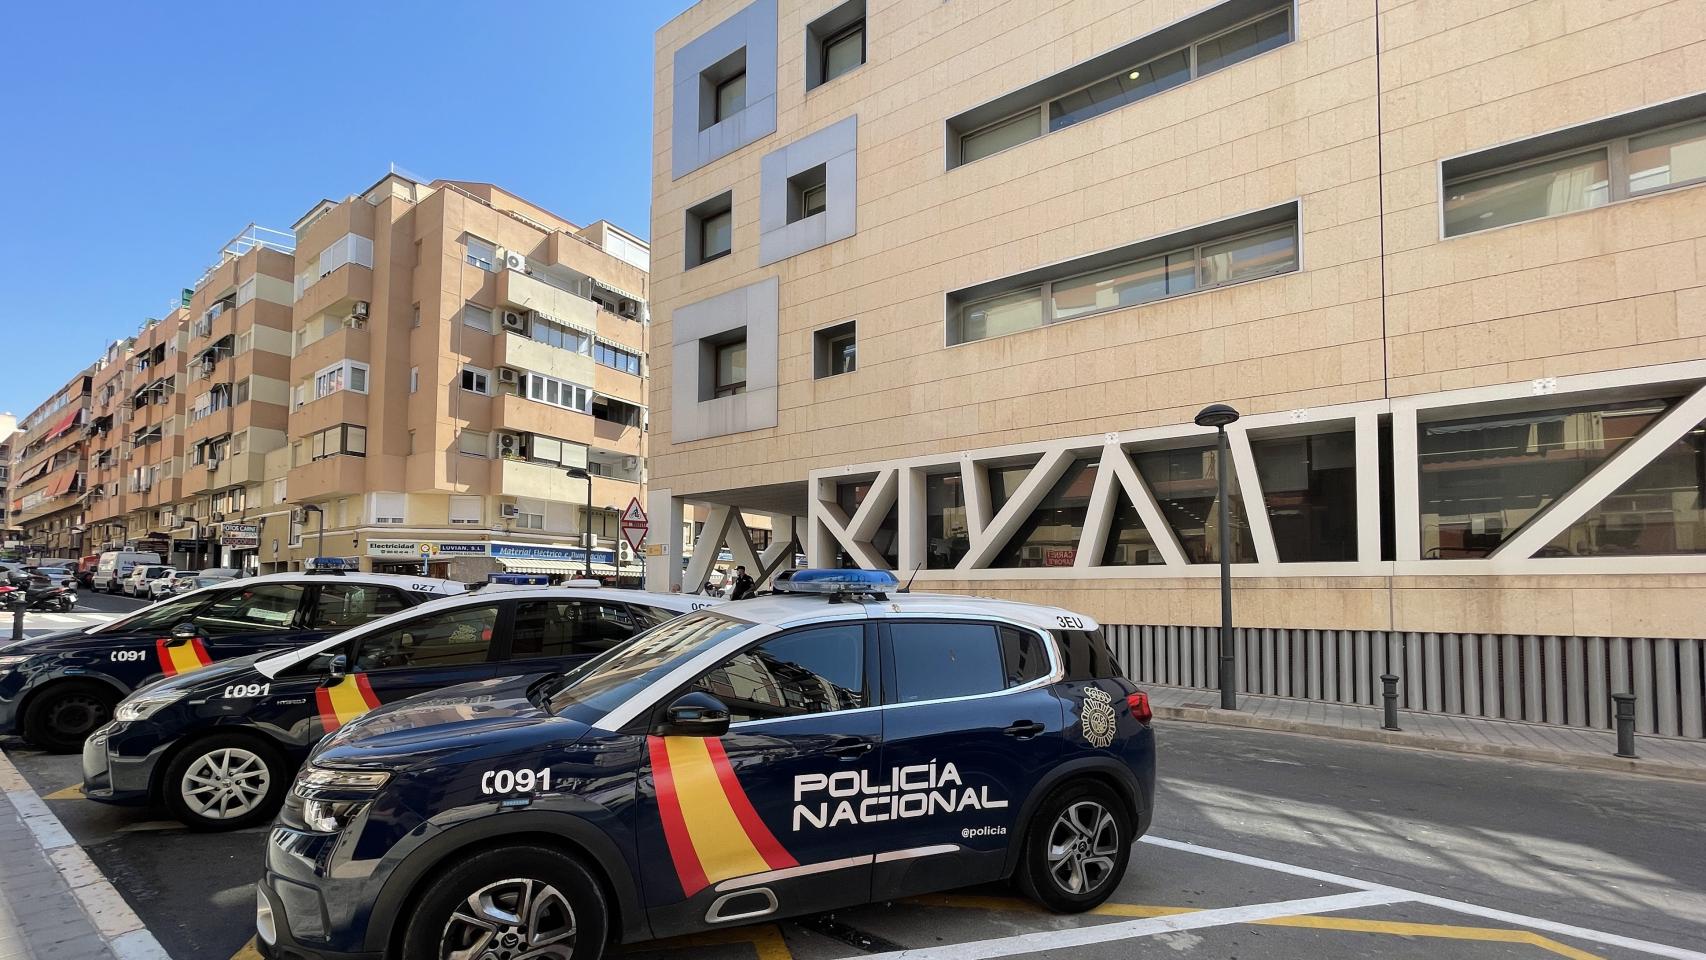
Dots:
{"x": 850, "y": 748}
{"x": 1024, "y": 729}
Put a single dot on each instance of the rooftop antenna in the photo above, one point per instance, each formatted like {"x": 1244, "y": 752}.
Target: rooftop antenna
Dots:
{"x": 908, "y": 587}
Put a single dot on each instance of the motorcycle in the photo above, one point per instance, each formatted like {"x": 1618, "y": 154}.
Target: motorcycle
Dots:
{"x": 51, "y": 597}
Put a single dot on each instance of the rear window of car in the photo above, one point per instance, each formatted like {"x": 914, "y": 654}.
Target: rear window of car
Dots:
{"x": 940, "y": 661}
{"x": 1087, "y": 655}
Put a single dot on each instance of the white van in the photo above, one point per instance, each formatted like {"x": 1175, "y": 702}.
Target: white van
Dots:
{"x": 115, "y": 565}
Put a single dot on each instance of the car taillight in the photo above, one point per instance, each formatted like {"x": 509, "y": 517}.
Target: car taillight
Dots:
{"x": 1139, "y": 704}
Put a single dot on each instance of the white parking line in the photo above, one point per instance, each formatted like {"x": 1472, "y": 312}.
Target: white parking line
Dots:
{"x": 1457, "y": 906}
{"x": 1132, "y": 929}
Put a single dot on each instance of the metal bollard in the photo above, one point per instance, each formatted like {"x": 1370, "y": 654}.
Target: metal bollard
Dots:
{"x": 1624, "y": 706}
{"x": 18, "y": 622}
{"x": 1390, "y": 695}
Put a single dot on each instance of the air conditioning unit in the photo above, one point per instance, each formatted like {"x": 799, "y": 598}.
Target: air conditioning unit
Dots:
{"x": 298, "y": 514}
{"x": 359, "y": 311}
{"x": 216, "y": 518}
{"x": 1032, "y": 552}
{"x": 213, "y": 463}
{"x": 514, "y": 321}
{"x": 509, "y": 511}
{"x": 629, "y": 309}
{"x": 630, "y": 463}
{"x": 509, "y": 443}
{"x": 507, "y": 375}
{"x": 514, "y": 260}
{"x": 624, "y": 553}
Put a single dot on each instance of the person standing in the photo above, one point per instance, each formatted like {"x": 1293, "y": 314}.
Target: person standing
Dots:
{"x": 744, "y": 587}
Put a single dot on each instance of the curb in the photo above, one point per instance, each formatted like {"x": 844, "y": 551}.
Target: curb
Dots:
{"x": 119, "y": 927}
{"x": 1399, "y": 738}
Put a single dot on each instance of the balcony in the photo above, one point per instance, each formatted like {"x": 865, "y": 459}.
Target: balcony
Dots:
{"x": 521, "y": 415}
{"x": 344, "y": 343}
{"x": 328, "y": 477}
{"x": 616, "y": 437}
{"x": 516, "y": 289}
{"x": 585, "y": 257}
{"x": 232, "y": 470}
{"x": 544, "y": 481}
{"x": 336, "y": 292}
{"x": 523, "y": 353}
{"x": 616, "y": 383}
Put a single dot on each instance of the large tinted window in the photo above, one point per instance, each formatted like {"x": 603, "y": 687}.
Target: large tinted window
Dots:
{"x": 949, "y": 538}
{"x": 646, "y": 617}
{"x": 1309, "y": 484}
{"x": 459, "y": 636}
{"x": 1025, "y": 656}
{"x": 817, "y": 670}
{"x": 1049, "y": 536}
{"x": 1660, "y": 510}
{"x": 264, "y": 606}
{"x": 567, "y": 628}
{"x": 1187, "y": 489}
{"x": 935, "y": 661}
{"x": 1087, "y": 656}
{"x": 161, "y": 616}
{"x": 344, "y": 605}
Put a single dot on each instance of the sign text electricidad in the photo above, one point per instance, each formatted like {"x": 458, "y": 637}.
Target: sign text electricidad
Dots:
{"x": 919, "y": 790}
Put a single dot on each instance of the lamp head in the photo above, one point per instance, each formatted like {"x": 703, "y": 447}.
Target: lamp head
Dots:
{"x": 1217, "y": 415}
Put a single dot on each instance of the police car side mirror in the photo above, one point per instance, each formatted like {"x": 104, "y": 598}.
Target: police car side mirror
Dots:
{"x": 339, "y": 667}
{"x": 183, "y": 633}
{"x": 695, "y": 715}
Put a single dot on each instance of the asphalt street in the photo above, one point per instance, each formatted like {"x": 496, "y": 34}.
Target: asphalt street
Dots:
{"x": 1249, "y": 823}
{"x": 92, "y": 609}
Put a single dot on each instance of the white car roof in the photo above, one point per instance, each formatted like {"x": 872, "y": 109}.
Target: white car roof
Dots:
{"x": 673, "y": 602}
{"x": 788, "y": 609}
{"x": 432, "y": 585}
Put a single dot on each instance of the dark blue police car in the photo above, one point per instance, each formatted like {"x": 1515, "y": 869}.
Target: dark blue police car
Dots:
{"x": 777, "y": 756}
{"x": 218, "y": 747}
{"x": 56, "y": 689}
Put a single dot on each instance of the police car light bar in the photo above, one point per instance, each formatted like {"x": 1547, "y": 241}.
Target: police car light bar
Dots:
{"x": 876, "y": 583}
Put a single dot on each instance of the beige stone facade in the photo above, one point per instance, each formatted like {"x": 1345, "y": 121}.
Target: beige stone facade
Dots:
{"x": 1389, "y": 336}
{"x": 48, "y": 473}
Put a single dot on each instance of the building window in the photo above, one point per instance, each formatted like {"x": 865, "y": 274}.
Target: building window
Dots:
{"x": 477, "y": 380}
{"x": 342, "y": 439}
{"x": 1142, "y": 68}
{"x": 481, "y": 253}
{"x": 1309, "y": 485}
{"x": 1184, "y": 483}
{"x": 730, "y": 369}
{"x": 558, "y": 393}
{"x": 616, "y": 358}
{"x": 731, "y": 96}
{"x": 479, "y": 318}
{"x": 710, "y": 229}
{"x": 552, "y": 333}
{"x": 415, "y": 317}
{"x": 836, "y": 350}
{"x": 1660, "y": 510}
{"x": 466, "y": 511}
{"x": 529, "y": 515}
{"x": 1482, "y": 478}
{"x": 946, "y": 532}
{"x": 346, "y": 375}
{"x": 414, "y": 379}
{"x": 807, "y": 193}
{"x": 886, "y": 541}
{"x": 1161, "y": 268}
{"x": 1587, "y": 166}
{"x": 1049, "y": 536}
{"x": 388, "y": 508}
{"x": 835, "y": 43}
{"x": 475, "y": 443}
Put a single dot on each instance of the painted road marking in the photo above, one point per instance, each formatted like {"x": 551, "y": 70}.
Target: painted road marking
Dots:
{"x": 73, "y": 792}
{"x": 1132, "y": 929}
{"x": 1456, "y": 906}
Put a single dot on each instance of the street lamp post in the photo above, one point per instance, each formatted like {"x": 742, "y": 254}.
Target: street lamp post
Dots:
{"x": 1219, "y": 416}
{"x": 580, "y": 473}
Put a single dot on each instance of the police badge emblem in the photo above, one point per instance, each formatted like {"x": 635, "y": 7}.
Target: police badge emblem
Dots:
{"x": 1097, "y": 717}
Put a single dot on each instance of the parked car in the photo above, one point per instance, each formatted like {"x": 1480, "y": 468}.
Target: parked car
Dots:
{"x": 773, "y": 757}
{"x": 85, "y": 571}
{"x": 136, "y": 585}
{"x": 183, "y": 581}
{"x": 56, "y": 689}
{"x": 115, "y": 565}
{"x": 54, "y": 576}
{"x": 257, "y": 717}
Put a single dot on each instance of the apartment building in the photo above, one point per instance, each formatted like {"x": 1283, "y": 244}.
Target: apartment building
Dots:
{"x": 48, "y": 473}
{"x": 8, "y": 428}
{"x": 942, "y": 286}
{"x": 468, "y": 384}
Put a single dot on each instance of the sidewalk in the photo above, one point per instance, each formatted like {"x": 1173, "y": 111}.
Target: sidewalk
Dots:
{"x": 54, "y": 902}
{"x": 1593, "y": 749}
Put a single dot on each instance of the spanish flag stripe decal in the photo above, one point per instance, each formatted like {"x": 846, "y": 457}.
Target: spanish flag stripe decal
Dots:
{"x": 345, "y": 700}
{"x": 181, "y": 658}
{"x": 750, "y": 821}
{"x": 687, "y": 869}
{"x": 711, "y": 827}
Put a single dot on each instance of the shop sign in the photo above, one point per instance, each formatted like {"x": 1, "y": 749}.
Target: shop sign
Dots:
{"x": 1059, "y": 557}
{"x": 520, "y": 551}
{"x": 240, "y": 536}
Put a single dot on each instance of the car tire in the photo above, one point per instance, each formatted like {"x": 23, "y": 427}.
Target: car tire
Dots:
{"x": 1076, "y": 848}
{"x": 225, "y": 782}
{"x": 61, "y": 717}
{"x": 565, "y": 895}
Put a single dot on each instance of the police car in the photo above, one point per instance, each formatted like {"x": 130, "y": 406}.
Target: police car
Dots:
{"x": 833, "y": 744}
{"x": 218, "y": 747}
{"x": 56, "y": 689}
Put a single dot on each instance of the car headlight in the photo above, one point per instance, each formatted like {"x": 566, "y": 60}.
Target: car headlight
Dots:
{"x": 332, "y": 798}
{"x": 143, "y": 705}
{"x": 8, "y": 663}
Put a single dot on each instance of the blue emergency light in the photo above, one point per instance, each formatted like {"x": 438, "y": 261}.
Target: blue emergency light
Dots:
{"x": 876, "y": 583}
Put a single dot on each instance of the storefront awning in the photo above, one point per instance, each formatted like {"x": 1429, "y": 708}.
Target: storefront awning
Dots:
{"x": 563, "y": 568}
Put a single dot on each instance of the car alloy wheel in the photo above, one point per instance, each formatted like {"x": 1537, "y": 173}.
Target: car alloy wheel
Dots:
{"x": 516, "y": 919}
{"x": 225, "y": 783}
{"x": 76, "y": 715}
{"x": 1083, "y": 847}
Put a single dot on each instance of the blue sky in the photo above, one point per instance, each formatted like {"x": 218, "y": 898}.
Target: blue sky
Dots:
{"x": 140, "y": 137}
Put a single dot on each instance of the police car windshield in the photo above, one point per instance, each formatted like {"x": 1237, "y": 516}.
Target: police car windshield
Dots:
{"x": 160, "y": 616}
{"x": 610, "y": 679}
